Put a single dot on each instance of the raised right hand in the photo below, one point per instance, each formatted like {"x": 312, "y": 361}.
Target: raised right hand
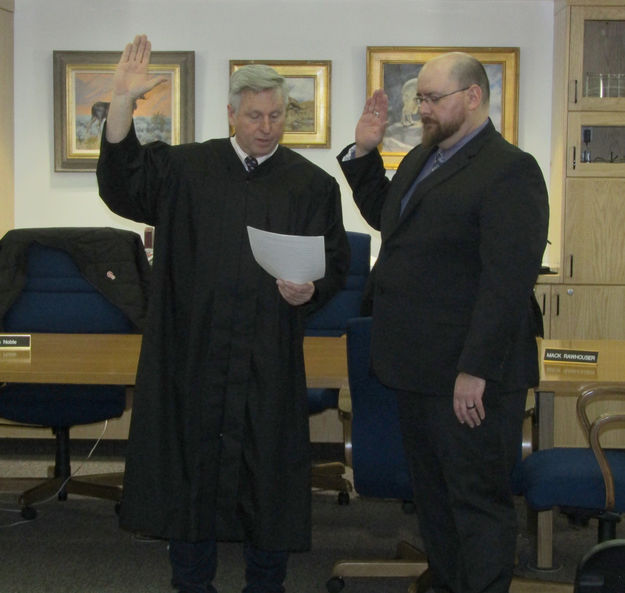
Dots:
{"x": 131, "y": 75}
{"x": 372, "y": 123}
{"x": 130, "y": 82}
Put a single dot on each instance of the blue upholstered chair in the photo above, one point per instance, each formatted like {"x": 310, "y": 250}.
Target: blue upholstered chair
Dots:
{"x": 583, "y": 482}
{"x": 331, "y": 320}
{"x": 56, "y": 298}
{"x": 378, "y": 459}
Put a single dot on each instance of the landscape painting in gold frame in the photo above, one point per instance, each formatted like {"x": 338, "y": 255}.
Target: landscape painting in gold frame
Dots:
{"x": 308, "y": 110}
{"x": 395, "y": 69}
{"x": 82, "y": 93}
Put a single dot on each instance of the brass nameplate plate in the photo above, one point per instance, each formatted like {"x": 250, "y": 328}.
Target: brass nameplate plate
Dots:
{"x": 573, "y": 371}
{"x": 566, "y": 356}
{"x": 14, "y": 355}
{"x": 14, "y": 342}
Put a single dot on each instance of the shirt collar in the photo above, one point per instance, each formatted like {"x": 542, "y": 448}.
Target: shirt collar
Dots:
{"x": 242, "y": 154}
{"x": 447, "y": 153}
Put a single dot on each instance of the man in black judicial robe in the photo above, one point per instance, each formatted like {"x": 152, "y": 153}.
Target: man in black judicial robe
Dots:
{"x": 219, "y": 442}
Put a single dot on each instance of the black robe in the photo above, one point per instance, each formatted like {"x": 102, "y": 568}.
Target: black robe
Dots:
{"x": 219, "y": 442}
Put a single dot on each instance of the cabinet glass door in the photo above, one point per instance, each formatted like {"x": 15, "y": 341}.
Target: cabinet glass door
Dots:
{"x": 596, "y": 144}
{"x": 597, "y": 58}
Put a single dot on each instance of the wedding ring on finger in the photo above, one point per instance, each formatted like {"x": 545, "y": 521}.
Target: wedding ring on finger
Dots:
{"x": 471, "y": 407}
{"x": 376, "y": 113}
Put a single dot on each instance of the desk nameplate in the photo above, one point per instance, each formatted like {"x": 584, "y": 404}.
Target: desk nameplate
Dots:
{"x": 568, "y": 356}
{"x": 14, "y": 342}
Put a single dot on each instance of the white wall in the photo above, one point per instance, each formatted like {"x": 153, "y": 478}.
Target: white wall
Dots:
{"x": 220, "y": 30}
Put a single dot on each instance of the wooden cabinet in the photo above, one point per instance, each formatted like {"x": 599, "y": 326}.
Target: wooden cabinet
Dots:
{"x": 596, "y": 144}
{"x": 594, "y": 232}
{"x": 587, "y": 311}
{"x": 587, "y": 187}
{"x": 587, "y": 190}
{"x": 596, "y": 61}
{"x": 543, "y": 296}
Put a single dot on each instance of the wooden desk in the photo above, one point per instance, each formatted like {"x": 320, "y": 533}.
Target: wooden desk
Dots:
{"x": 111, "y": 359}
{"x": 106, "y": 359}
{"x": 566, "y": 380}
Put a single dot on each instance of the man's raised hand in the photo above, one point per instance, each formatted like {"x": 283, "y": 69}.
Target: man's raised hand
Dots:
{"x": 130, "y": 82}
{"x": 131, "y": 75}
{"x": 372, "y": 123}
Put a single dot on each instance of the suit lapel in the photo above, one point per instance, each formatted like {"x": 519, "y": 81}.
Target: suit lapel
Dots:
{"x": 405, "y": 177}
{"x": 436, "y": 178}
{"x": 456, "y": 163}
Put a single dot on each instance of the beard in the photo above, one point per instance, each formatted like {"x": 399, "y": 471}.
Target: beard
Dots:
{"x": 435, "y": 132}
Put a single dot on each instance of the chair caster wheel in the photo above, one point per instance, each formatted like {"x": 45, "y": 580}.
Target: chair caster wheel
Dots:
{"x": 335, "y": 584}
{"x": 343, "y": 500}
{"x": 28, "y": 513}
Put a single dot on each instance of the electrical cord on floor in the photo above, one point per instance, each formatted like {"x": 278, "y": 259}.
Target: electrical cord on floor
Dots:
{"x": 55, "y": 495}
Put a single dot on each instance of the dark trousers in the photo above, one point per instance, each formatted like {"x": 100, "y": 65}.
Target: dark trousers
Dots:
{"x": 194, "y": 566}
{"x": 461, "y": 480}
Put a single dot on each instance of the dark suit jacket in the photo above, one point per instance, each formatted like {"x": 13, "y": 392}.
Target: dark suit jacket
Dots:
{"x": 96, "y": 251}
{"x": 453, "y": 282}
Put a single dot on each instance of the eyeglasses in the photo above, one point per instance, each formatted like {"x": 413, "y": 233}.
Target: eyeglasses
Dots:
{"x": 434, "y": 99}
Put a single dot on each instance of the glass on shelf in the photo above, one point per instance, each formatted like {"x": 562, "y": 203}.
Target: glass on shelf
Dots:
{"x": 603, "y": 56}
{"x": 604, "y": 85}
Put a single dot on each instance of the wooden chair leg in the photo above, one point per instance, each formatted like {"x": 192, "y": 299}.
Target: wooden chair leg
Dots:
{"x": 544, "y": 542}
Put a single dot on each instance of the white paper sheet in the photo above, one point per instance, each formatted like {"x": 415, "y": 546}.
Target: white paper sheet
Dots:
{"x": 289, "y": 257}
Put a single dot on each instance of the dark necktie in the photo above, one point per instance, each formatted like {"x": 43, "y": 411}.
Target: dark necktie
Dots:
{"x": 251, "y": 163}
{"x": 438, "y": 160}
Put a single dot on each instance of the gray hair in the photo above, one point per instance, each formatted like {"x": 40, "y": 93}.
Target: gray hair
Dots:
{"x": 467, "y": 70}
{"x": 255, "y": 78}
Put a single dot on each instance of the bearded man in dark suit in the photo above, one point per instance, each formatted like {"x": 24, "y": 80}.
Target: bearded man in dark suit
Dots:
{"x": 464, "y": 226}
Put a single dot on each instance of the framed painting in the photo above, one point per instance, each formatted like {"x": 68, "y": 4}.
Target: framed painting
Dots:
{"x": 82, "y": 94}
{"x": 308, "y": 109}
{"x": 395, "y": 69}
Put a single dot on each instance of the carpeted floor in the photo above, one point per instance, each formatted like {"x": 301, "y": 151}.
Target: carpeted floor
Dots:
{"x": 76, "y": 546}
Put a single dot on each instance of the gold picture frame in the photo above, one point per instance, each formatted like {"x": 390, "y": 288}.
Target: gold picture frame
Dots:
{"x": 82, "y": 93}
{"x": 395, "y": 69}
{"x": 308, "y": 112}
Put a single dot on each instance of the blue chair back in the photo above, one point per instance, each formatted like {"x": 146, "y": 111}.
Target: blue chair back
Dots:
{"x": 331, "y": 319}
{"x": 379, "y": 461}
{"x": 57, "y": 299}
